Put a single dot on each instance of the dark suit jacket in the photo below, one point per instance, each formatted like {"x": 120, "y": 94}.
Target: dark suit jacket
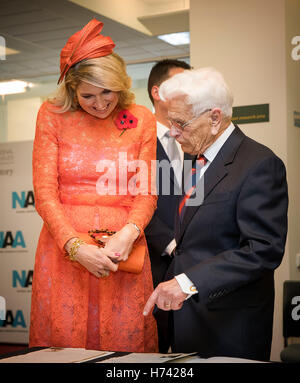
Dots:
{"x": 229, "y": 247}
{"x": 160, "y": 231}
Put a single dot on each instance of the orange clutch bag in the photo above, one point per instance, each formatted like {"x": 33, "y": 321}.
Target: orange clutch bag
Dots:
{"x": 134, "y": 263}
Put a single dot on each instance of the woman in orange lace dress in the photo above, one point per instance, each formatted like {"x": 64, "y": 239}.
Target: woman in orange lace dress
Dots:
{"x": 78, "y": 167}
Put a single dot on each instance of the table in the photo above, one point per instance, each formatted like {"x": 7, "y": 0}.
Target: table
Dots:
{"x": 80, "y": 355}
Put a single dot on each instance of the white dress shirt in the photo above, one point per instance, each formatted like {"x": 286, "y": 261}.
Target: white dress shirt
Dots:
{"x": 185, "y": 283}
{"x": 161, "y": 135}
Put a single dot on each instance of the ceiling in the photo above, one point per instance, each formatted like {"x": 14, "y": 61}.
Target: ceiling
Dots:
{"x": 38, "y": 30}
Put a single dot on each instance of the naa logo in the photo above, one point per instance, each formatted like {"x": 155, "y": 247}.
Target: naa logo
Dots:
{"x": 22, "y": 278}
{"x": 23, "y": 199}
{"x": 13, "y": 319}
{"x": 7, "y": 238}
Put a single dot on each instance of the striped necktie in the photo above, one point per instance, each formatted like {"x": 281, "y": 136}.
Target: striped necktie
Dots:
{"x": 201, "y": 161}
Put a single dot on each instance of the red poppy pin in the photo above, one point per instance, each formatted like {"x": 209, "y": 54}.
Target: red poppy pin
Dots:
{"x": 126, "y": 120}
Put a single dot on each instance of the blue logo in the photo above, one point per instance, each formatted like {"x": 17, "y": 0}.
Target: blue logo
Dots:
{"x": 13, "y": 320}
{"x": 22, "y": 279}
{"x": 8, "y": 239}
{"x": 23, "y": 199}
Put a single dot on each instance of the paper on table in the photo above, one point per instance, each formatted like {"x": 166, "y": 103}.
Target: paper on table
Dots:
{"x": 57, "y": 355}
{"x": 81, "y": 355}
{"x": 146, "y": 358}
{"x": 218, "y": 359}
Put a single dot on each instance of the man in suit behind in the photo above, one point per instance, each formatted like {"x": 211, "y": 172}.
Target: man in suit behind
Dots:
{"x": 160, "y": 231}
{"x": 219, "y": 289}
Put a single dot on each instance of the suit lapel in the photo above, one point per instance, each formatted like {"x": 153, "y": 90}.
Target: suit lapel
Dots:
{"x": 216, "y": 171}
{"x": 162, "y": 155}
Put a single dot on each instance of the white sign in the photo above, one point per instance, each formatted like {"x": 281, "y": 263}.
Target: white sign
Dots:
{"x": 19, "y": 231}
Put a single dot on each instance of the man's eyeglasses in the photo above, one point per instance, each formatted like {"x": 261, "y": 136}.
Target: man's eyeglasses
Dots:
{"x": 178, "y": 125}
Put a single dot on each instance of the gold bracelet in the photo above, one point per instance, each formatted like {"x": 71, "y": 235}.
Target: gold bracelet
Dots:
{"x": 74, "y": 248}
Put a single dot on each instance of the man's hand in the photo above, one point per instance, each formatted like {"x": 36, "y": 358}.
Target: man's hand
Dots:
{"x": 167, "y": 296}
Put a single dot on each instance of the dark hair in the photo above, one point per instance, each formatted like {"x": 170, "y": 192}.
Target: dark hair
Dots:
{"x": 160, "y": 72}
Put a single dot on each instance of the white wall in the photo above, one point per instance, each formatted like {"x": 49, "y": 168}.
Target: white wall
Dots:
{"x": 21, "y": 118}
{"x": 3, "y": 124}
{"x": 18, "y": 112}
{"x": 246, "y": 42}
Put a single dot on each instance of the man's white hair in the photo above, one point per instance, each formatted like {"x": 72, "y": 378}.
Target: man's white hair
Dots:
{"x": 204, "y": 88}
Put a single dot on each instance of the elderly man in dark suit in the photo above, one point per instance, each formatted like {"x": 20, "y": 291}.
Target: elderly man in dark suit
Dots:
{"x": 219, "y": 289}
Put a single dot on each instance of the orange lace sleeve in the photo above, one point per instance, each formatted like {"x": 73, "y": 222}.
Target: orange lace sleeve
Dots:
{"x": 45, "y": 177}
{"x": 144, "y": 203}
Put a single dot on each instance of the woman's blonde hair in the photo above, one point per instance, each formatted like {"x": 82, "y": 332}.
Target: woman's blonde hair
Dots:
{"x": 108, "y": 72}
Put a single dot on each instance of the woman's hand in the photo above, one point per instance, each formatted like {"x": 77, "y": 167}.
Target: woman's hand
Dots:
{"x": 122, "y": 241}
{"x": 97, "y": 261}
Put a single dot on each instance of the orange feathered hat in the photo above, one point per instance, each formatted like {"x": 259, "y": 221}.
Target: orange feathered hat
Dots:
{"x": 87, "y": 43}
